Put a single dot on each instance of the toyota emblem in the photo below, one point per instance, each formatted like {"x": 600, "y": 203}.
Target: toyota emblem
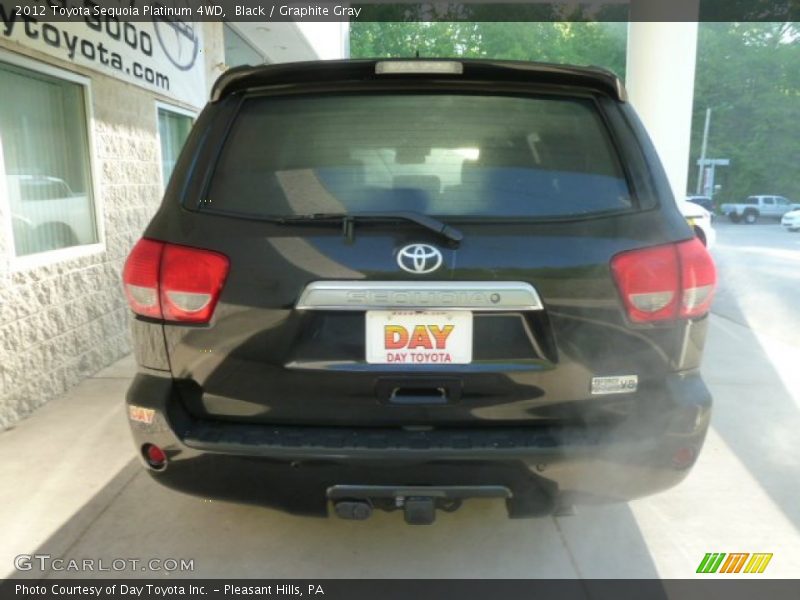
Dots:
{"x": 419, "y": 258}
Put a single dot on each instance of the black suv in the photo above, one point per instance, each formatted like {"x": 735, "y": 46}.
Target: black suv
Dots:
{"x": 399, "y": 284}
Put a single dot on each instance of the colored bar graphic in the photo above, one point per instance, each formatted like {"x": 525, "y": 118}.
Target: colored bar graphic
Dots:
{"x": 758, "y": 563}
{"x": 734, "y": 563}
{"x": 701, "y": 567}
{"x": 710, "y": 562}
{"x": 740, "y": 564}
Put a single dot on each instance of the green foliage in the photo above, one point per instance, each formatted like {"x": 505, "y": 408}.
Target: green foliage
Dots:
{"x": 748, "y": 73}
{"x": 588, "y": 43}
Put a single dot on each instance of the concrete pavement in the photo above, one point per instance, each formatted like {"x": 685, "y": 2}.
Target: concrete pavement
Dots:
{"x": 77, "y": 490}
{"x": 759, "y": 267}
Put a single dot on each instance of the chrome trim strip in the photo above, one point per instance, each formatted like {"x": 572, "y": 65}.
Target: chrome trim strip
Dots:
{"x": 419, "y": 295}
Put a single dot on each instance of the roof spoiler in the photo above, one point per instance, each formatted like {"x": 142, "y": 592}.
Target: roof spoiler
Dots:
{"x": 330, "y": 71}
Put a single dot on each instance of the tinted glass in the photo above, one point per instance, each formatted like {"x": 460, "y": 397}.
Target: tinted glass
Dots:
{"x": 437, "y": 154}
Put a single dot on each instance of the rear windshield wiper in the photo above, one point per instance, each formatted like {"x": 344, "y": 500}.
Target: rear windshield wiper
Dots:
{"x": 348, "y": 219}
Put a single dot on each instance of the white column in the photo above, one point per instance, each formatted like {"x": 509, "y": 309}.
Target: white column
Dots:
{"x": 330, "y": 40}
{"x": 660, "y": 83}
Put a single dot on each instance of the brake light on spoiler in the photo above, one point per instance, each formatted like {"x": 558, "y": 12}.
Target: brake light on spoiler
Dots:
{"x": 172, "y": 282}
{"x": 667, "y": 282}
{"x": 419, "y": 67}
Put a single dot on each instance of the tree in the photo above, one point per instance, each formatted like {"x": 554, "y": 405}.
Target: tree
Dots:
{"x": 749, "y": 75}
{"x": 600, "y": 44}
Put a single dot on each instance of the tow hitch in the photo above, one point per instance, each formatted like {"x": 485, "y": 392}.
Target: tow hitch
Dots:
{"x": 420, "y": 510}
{"x": 418, "y": 503}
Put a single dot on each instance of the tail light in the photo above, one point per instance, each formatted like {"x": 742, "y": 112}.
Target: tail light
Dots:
{"x": 176, "y": 283}
{"x": 698, "y": 278}
{"x": 665, "y": 282}
{"x": 140, "y": 278}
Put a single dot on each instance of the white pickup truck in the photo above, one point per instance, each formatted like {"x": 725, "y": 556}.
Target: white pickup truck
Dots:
{"x": 755, "y": 207}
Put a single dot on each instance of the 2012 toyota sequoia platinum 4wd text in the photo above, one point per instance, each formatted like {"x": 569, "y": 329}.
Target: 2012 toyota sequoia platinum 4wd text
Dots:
{"x": 401, "y": 284}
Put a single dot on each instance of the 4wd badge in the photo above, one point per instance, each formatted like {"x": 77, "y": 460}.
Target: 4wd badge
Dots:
{"x": 619, "y": 384}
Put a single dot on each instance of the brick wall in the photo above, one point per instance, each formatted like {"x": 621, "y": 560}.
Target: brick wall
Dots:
{"x": 63, "y": 322}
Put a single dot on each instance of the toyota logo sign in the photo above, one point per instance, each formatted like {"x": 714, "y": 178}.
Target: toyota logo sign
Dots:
{"x": 419, "y": 258}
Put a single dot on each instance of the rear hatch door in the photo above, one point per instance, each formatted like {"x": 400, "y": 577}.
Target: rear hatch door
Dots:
{"x": 386, "y": 320}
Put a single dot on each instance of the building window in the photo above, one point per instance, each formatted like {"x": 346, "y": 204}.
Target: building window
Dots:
{"x": 173, "y": 129}
{"x": 44, "y": 161}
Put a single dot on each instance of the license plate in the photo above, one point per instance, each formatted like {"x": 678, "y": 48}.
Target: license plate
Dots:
{"x": 419, "y": 337}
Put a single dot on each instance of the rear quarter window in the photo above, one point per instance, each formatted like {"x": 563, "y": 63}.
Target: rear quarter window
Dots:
{"x": 443, "y": 155}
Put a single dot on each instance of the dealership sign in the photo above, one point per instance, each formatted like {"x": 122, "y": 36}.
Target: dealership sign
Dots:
{"x": 162, "y": 54}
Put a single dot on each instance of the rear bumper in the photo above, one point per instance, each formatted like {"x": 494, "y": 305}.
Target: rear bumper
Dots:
{"x": 291, "y": 468}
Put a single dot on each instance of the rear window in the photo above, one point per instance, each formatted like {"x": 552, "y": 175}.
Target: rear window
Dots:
{"x": 443, "y": 155}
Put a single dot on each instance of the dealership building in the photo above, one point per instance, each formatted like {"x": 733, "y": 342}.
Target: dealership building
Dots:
{"x": 92, "y": 116}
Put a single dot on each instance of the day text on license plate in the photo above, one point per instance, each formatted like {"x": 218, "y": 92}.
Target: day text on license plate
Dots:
{"x": 419, "y": 337}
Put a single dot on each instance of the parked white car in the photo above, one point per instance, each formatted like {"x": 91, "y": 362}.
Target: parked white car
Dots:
{"x": 791, "y": 220}
{"x": 700, "y": 221}
{"x": 47, "y": 214}
{"x": 705, "y": 201}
